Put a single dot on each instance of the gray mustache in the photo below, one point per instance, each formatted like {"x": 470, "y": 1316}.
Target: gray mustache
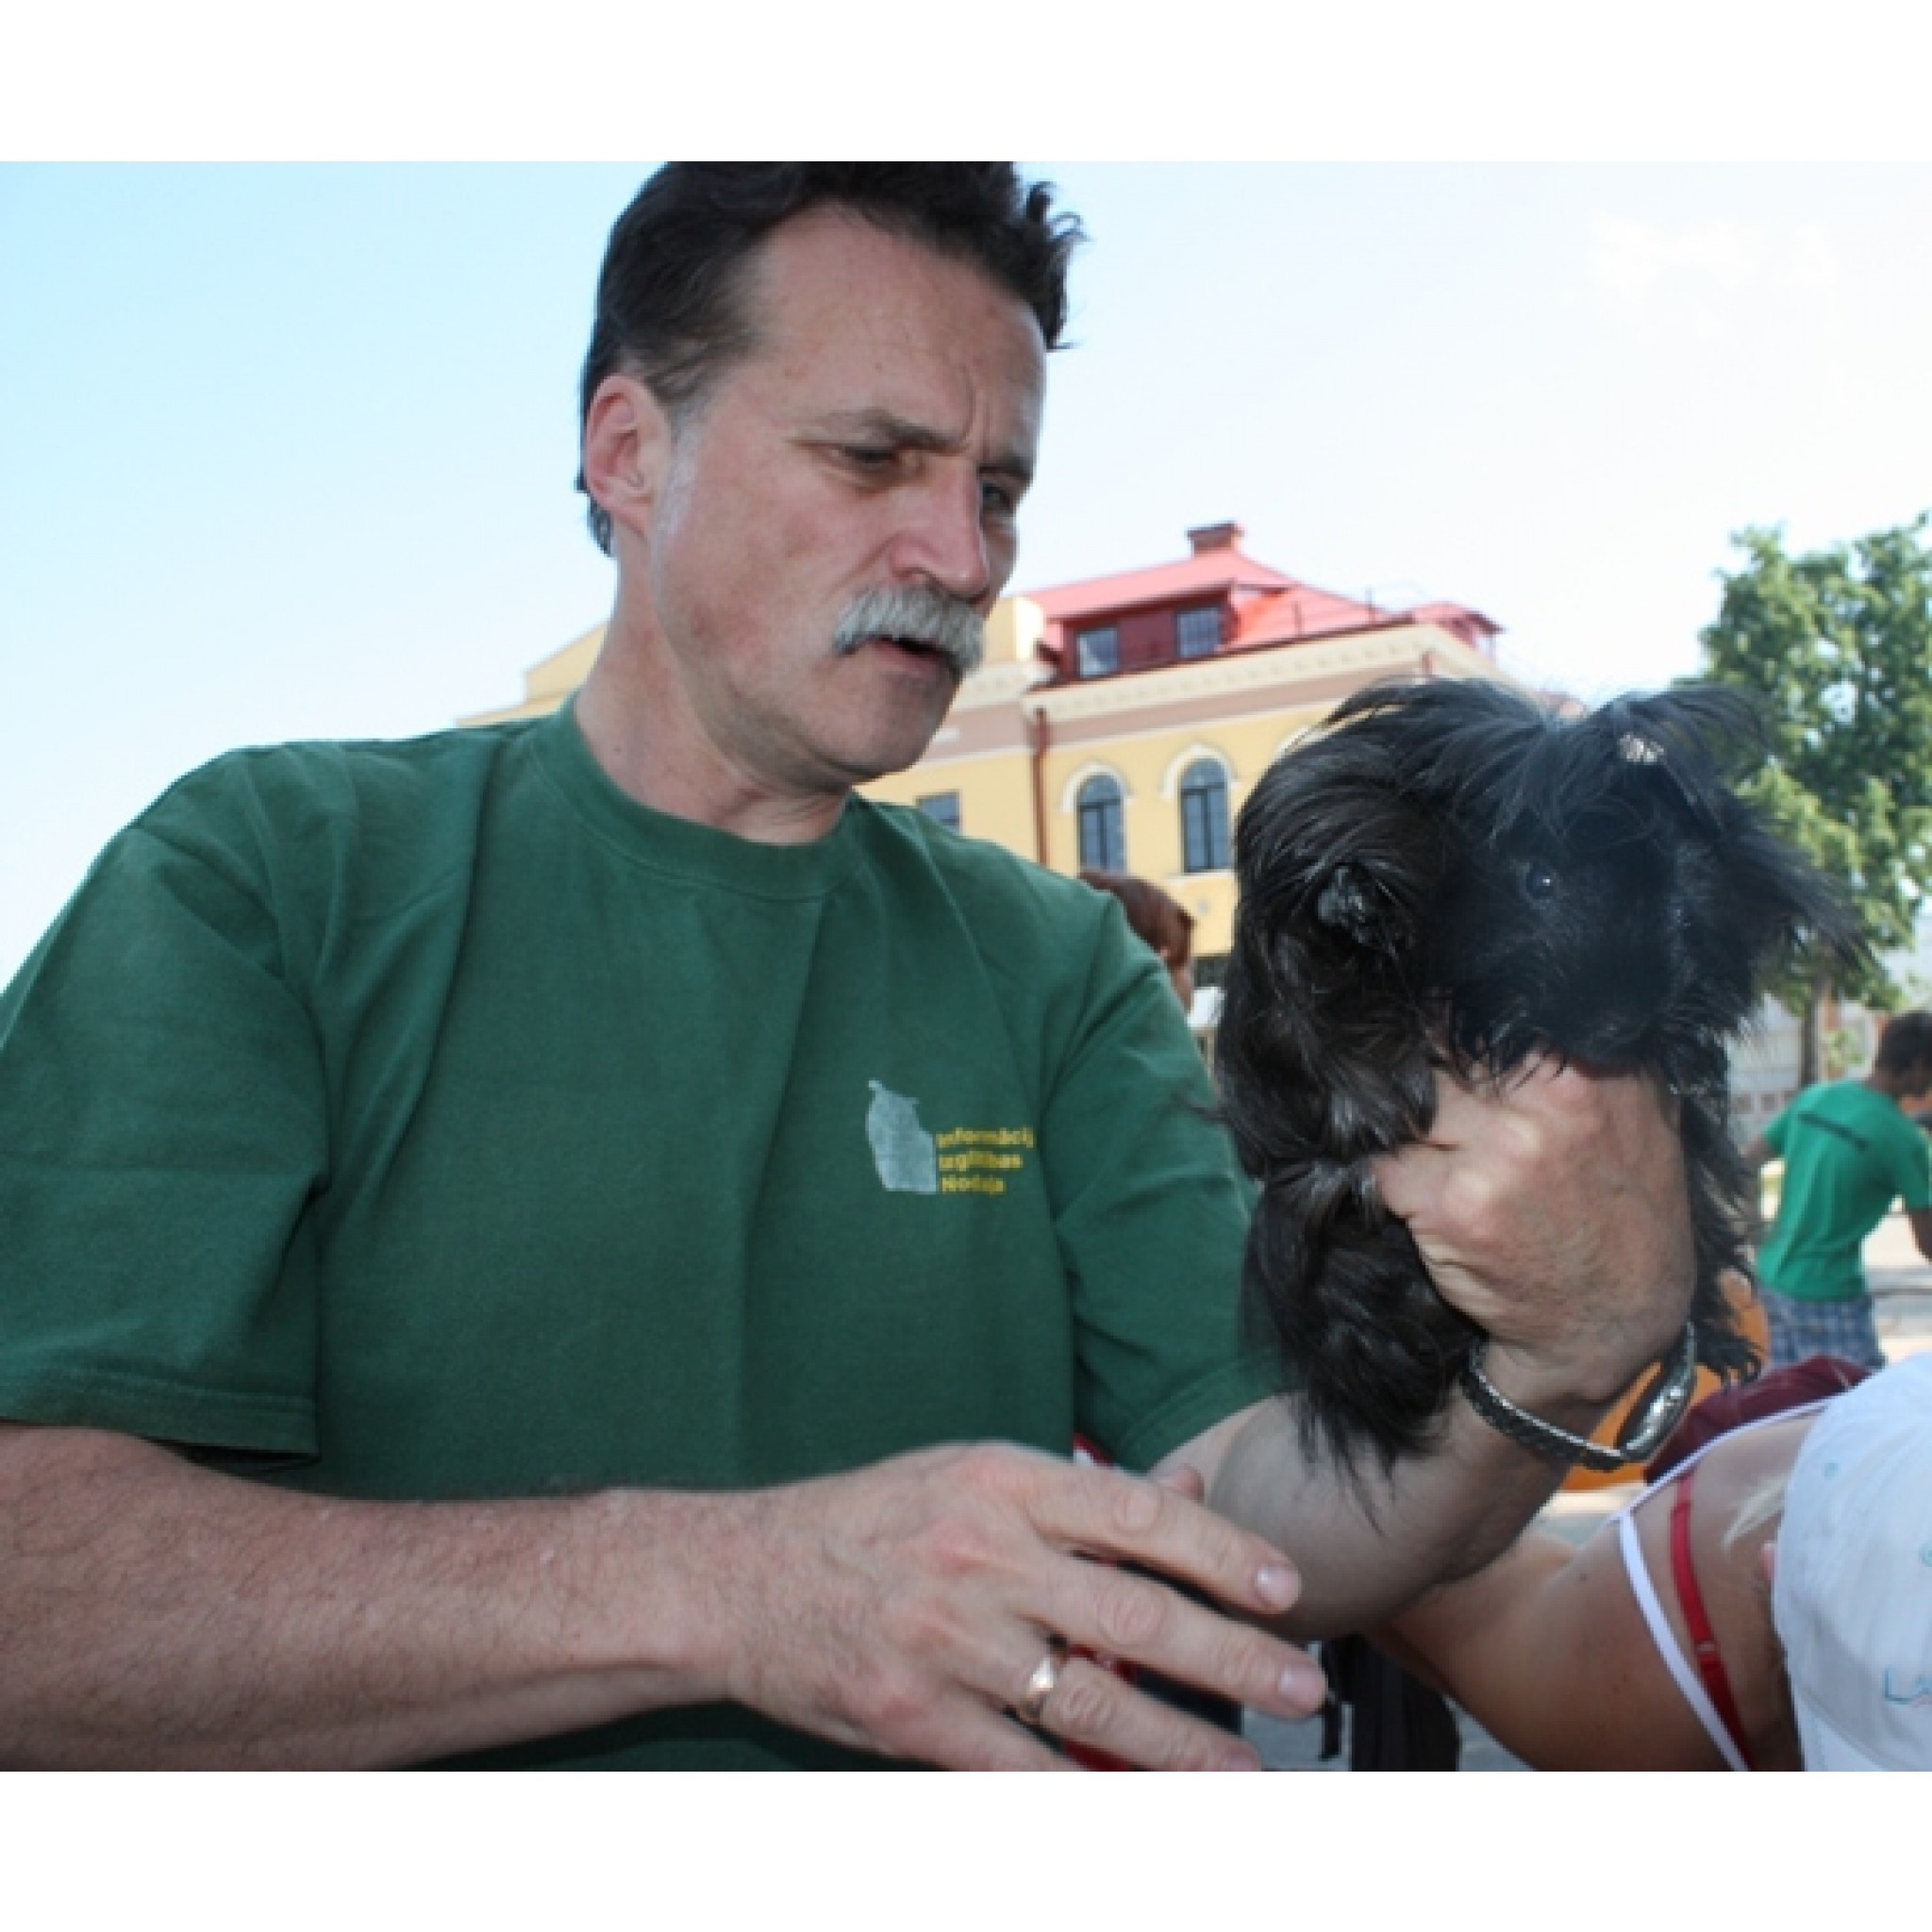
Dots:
{"x": 920, "y": 614}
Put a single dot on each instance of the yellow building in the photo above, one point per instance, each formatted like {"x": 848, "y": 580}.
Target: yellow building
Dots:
{"x": 1121, "y": 722}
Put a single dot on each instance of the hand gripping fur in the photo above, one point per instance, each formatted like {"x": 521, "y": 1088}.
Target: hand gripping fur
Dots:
{"x": 1450, "y": 877}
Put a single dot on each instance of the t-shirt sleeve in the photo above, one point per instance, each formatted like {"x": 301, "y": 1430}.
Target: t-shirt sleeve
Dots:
{"x": 162, "y": 1124}
{"x": 1151, "y": 1214}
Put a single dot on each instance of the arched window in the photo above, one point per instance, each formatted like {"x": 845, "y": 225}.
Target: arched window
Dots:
{"x": 1204, "y": 817}
{"x": 1103, "y": 838}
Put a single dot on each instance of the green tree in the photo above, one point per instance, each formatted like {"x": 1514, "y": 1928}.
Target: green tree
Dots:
{"x": 1839, "y": 642}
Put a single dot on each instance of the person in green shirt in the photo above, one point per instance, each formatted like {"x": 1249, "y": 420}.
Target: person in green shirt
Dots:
{"x": 588, "y": 1244}
{"x": 1849, "y": 1152}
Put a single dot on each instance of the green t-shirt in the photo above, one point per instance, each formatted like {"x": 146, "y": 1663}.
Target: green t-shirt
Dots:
{"x": 431, "y": 1120}
{"x": 1849, "y": 1153}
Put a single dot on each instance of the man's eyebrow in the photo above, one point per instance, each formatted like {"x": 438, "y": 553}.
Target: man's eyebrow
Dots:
{"x": 901, "y": 432}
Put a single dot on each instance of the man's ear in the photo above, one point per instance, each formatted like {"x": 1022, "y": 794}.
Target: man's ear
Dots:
{"x": 626, "y": 452}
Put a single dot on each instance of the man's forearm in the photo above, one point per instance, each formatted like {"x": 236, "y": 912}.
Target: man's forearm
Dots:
{"x": 1367, "y": 1544}
{"x": 159, "y": 1614}
{"x": 1434, "y": 1520}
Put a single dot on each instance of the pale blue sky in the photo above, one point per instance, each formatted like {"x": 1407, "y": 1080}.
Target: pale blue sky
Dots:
{"x": 287, "y": 451}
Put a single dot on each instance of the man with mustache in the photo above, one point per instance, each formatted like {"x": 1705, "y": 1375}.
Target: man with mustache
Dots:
{"x": 587, "y": 1242}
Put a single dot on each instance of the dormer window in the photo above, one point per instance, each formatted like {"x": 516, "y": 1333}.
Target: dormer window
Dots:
{"x": 1099, "y": 651}
{"x": 1197, "y": 632}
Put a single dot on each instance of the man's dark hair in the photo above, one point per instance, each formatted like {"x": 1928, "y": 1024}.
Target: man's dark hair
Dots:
{"x": 1906, "y": 1043}
{"x": 669, "y": 307}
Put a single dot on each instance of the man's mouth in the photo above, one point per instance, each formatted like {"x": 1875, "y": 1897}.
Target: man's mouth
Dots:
{"x": 916, "y": 647}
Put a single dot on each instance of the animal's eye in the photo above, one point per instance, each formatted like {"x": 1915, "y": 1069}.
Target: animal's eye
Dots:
{"x": 1538, "y": 881}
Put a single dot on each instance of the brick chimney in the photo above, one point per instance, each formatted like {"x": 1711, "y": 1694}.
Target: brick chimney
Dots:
{"x": 1216, "y": 537}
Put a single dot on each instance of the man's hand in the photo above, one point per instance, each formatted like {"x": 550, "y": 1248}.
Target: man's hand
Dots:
{"x": 1553, "y": 1211}
{"x": 904, "y": 1608}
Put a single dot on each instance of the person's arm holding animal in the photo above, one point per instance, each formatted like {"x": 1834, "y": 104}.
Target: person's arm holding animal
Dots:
{"x": 1553, "y": 1215}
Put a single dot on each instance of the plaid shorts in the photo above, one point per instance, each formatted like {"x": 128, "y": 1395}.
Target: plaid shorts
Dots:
{"x": 1801, "y": 1328}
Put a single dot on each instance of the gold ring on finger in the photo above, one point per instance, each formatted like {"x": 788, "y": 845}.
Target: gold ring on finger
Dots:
{"x": 1031, "y": 1708}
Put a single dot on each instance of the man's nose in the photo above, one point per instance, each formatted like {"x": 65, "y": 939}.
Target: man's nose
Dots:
{"x": 943, "y": 540}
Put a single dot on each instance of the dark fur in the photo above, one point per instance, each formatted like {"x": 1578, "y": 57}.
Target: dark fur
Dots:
{"x": 1450, "y": 875}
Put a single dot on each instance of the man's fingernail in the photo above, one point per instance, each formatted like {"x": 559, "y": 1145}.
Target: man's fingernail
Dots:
{"x": 1279, "y": 1585}
{"x": 1304, "y": 1686}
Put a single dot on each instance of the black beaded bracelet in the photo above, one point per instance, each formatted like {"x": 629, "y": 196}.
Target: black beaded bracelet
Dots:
{"x": 1653, "y": 1417}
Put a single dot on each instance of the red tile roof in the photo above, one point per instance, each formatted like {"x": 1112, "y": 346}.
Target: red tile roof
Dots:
{"x": 1269, "y": 607}
{"x": 1224, "y": 569}
{"x": 1300, "y": 612}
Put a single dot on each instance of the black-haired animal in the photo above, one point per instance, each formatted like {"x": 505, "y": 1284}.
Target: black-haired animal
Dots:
{"x": 1452, "y": 876}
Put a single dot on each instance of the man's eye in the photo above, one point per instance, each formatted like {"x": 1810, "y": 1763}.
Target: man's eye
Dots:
{"x": 998, "y": 500}
{"x": 872, "y": 462}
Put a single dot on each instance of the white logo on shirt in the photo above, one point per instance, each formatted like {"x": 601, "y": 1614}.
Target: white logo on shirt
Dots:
{"x": 902, "y": 1150}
